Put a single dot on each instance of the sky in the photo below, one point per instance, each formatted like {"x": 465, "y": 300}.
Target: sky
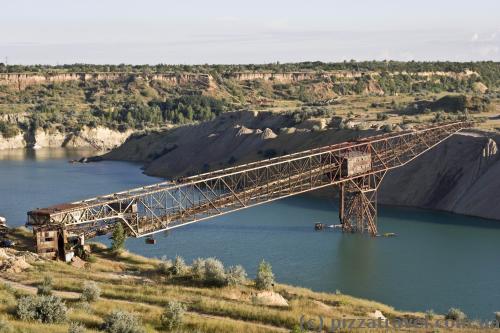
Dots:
{"x": 256, "y": 31}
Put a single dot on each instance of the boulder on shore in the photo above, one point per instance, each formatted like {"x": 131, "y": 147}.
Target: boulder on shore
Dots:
{"x": 270, "y": 298}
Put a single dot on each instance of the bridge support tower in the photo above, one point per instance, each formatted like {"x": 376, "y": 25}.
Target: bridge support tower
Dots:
{"x": 358, "y": 203}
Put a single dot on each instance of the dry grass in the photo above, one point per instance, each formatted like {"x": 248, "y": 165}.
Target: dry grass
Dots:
{"x": 145, "y": 292}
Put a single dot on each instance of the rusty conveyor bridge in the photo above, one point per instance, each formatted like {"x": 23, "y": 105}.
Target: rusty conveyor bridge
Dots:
{"x": 357, "y": 167}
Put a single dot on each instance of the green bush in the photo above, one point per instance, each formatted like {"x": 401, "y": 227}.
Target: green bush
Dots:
{"x": 387, "y": 128}
{"x": 45, "y": 288}
{"x": 45, "y": 309}
{"x": 122, "y": 322}
{"x": 214, "y": 272}
{"x": 297, "y": 329}
{"x": 198, "y": 269}
{"x": 164, "y": 266}
{"x": 265, "y": 276}
{"x": 118, "y": 238}
{"x": 172, "y": 315}
{"x": 75, "y": 327}
{"x": 430, "y": 314}
{"x": 236, "y": 275}
{"x": 83, "y": 254}
{"x": 8, "y": 130}
{"x": 90, "y": 292}
{"x": 455, "y": 314}
{"x": 179, "y": 267}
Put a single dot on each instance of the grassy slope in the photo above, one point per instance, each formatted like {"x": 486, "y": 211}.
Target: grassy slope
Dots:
{"x": 131, "y": 282}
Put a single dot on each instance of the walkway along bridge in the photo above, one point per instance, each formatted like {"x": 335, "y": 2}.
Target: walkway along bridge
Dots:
{"x": 356, "y": 167}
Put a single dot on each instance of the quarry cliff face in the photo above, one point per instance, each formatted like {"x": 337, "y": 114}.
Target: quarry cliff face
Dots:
{"x": 291, "y": 77}
{"x": 100, "y": 138}
{"x": 461, "y": 175}
{"x": 23, "y": 80}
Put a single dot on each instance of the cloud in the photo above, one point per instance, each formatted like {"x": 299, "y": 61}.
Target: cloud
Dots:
{"x": 475, "y": 37}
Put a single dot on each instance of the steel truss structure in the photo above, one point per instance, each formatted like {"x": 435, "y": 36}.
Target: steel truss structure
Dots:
{"x": 167, "y": 205}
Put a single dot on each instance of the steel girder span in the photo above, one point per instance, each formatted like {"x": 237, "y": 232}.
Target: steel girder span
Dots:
{"x": 358, "y": 167}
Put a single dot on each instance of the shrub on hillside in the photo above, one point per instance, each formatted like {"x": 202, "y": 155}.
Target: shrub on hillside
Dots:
{"x": 455, "y": 314}
{"x": 214, "y": 272}
{"x": 90, "y": 292}
{"x": 179, "y": 266}
{"x": 45, "y": 309}
{"x": 45, "y": 288}
{"x": 236, "y": 275}
{"x": 165, "y": 265}
{"x": 75, "y": 327}
{"x": 172, "y": 315}
{"x": 198, "y": 269}
{"x": 387, "y": 128}
{"x": 8, "y": 130}
{"x": 122, "y": 322}
{"x": 118, "y": 238}
{"x": 265, "y": 276}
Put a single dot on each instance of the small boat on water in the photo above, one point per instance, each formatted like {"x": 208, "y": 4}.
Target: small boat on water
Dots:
{"x": 150, "y": 240}
{"x": 322, "y": 226}
{"x": 319, "y": 226}
{"x": 389, "y": 234}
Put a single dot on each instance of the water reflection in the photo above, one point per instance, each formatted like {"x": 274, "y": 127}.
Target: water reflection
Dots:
{"x": 46, "y": 154}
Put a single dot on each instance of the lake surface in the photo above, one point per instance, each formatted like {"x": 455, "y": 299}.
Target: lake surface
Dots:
{"x": 437, "y": 261}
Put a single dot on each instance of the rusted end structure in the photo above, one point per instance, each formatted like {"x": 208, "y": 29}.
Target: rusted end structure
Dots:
{"x": 50, "y": 234}
{"x": 356, "y": 167}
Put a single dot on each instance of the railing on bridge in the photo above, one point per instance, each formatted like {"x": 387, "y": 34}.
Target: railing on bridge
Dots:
{"x": 358, "y": 167}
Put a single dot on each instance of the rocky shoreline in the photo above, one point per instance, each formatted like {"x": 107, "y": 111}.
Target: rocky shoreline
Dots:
{"x": 99, "y": 138}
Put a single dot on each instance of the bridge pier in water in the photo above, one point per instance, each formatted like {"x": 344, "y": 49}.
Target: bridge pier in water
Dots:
{"x": 358, "y": 204}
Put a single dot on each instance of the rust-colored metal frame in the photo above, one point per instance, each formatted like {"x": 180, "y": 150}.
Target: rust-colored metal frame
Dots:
{"x": 167, "y": 205}
{"x": 358, "y": 203}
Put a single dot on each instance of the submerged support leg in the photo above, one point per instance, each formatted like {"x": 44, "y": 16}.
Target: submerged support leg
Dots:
{"x": 341, "y": 202}
{"x": 358, "y": 204}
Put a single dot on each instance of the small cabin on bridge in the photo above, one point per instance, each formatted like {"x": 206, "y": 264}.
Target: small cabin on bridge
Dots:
{"x": 355, "y": 163}
{"x": 44, "y": 216}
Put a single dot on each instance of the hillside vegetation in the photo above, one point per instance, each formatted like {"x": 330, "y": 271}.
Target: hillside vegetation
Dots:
{"x": 142, "y": 97}
{"x": 153, "y": 295}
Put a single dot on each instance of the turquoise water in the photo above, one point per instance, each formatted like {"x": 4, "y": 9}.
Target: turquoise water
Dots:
{"x": 437, "y": 261}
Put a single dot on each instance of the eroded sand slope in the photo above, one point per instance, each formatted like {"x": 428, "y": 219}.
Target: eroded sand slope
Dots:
{"x": 461, "y": 175}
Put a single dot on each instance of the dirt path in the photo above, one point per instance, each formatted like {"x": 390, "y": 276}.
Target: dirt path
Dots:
{"x": 33, "y": 290}
{"x": 74, "y": 295}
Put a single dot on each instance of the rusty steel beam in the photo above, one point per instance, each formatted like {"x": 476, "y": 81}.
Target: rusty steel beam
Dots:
{"x": 167, "y": 205}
